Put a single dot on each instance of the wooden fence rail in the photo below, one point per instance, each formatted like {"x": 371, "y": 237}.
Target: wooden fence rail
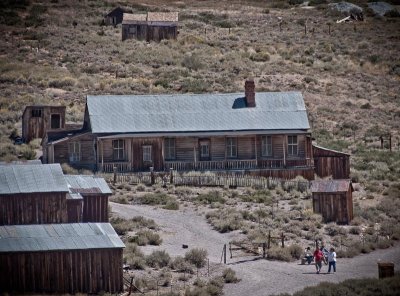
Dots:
{"x": 229, "y": 180}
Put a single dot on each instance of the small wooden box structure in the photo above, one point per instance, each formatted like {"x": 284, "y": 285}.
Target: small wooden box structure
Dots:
{"x": 60, "y": 258}
{"x": 386, "y": 269}
{"x": 94, "y": 192}
{"x": 333, "y": 200}
{"x": 74, "y": 207}
{"x": 329, "y": 162}
{"x": 32, "y": 194}
{"x": 37, "y": 120}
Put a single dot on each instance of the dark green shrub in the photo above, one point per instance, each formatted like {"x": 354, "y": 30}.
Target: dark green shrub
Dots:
{"x": 158, "y": 259}
{"x": 197, "y": 257}
{"x": 229, "y": 276}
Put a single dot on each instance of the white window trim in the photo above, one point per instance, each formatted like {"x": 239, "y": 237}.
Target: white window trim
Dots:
{"x": 293, "y": 145}
{"x": 205, "y": 144}
{"x": 230, "y": 143}
{"x": 74, "y": 151}
{"x": 147, "y": 153}
{"x": 119, "y": 149}
{"x": 265, "y": 152}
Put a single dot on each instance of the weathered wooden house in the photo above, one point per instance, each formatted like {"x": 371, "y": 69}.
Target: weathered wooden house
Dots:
{"x": 41, "y": 194}
{"x": 114, "y": 17}
{"x": 32, "y": 194}
{"x": 333, "y": 199}
{"x": 153, "y": 26}
{"x": 60, "y": 258}
{"x": 94, "y": 192}
{"x": 264, "y": 133}
{"x": 37, "y": 120}
{"x": 333, "y": 163}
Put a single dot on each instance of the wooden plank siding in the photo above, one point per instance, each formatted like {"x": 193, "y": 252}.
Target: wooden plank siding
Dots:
{"x": 33, "y": 208}
{"x": 334, "y": 207}
{"x": 95, "y": 208}
{"x": 74, "y": 209}
{"x": 148, "y": 32}
{"x": 331, "y": 163}
{"x": 76, "y": 271}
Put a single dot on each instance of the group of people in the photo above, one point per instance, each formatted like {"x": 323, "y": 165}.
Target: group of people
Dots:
{"x": 321, "y": 255}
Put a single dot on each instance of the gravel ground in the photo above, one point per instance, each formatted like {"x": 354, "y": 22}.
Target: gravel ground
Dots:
{"x": 259, "y": 277}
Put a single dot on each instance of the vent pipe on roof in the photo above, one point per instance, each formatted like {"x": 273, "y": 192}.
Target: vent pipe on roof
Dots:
{"x": 250, "y": 93}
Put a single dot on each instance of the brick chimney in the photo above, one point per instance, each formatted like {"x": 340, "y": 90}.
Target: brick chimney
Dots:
{"x": 250, "y": 93}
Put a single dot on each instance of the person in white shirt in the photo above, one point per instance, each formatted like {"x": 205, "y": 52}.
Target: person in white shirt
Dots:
{"x": 332, "y": 260}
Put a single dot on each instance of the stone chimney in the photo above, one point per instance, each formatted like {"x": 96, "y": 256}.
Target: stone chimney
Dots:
{"x": 250, "y": 93}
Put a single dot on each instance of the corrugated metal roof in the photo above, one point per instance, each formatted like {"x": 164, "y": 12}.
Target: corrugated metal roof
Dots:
{"x": 76, "y": 196}
{"x": 330, "y": 185}
{"x": 51, "y": 237}
{"x": 14, "y": 162}
{"x": 196, "y": 112}
{"x": 87, "y": 184}
{"x": 21, "y": 178}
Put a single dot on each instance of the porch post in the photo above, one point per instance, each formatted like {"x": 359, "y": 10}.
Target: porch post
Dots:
{"x": 306, "y": 149}
{"x": 194, "y": 154}
{"x": 284, "y": 150}
{"x": 162, "y": 153}
{"x": 102, "y": 156}
{"x": 255, "y": 149}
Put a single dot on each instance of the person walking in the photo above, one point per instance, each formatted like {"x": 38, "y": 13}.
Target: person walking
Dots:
{"x": 332, "y": 260}
{"x": 318, "y": 257}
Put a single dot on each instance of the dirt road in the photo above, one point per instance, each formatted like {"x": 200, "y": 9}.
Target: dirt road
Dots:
{"x": 259, "y": 277}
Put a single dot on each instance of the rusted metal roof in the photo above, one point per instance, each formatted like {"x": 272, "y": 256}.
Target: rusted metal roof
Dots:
{"x": 21, "y": 178}
{"x": 331, "y": 186}
{"x": 196, "y": 113}
{"x": 87, "y": 184}
{"x": 55, "y": 237}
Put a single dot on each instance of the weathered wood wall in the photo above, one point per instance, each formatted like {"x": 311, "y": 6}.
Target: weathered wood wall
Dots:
{"x": 334, "y": 207}
{"x": 74, "y": 209}
{"x": 33, "y": 208}
{"x": 331, "y": 163}
{"x": 77, "y": 271}
{"x": 95, "y": 208}
{"x": 36, "y": 127}
{"x": 143, "y": 31}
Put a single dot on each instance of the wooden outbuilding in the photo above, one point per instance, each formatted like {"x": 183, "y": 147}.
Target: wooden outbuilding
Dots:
{"x": 330, "y": 162}
{"x": 95, "y": 192}
{"x": 37, "y": 120}
{"x": 333, "y": 199}
{"x": 153, "y": 26}
{"x": 60, "y": 258}
{"x": 32, "y": 194}
{"x": 114, "y": 17}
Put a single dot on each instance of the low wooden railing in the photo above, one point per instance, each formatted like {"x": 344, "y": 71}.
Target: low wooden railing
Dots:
{"x": 121, "y": 167}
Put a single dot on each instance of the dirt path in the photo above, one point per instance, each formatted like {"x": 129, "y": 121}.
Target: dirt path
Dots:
{"x": 259, "y": 277}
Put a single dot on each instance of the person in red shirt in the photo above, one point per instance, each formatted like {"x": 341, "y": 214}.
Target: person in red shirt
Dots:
{"x": 318, "y": 257}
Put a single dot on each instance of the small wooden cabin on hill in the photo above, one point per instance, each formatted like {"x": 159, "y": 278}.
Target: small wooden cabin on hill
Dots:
{"x": 153, "y": 26}
{"x": 265, "y": 133}
{"x": 333, "y": 199}
{"x": 95, "y": 192}
{"x": 329, "y": 162}
{"x": 37, "y": 120}
{"x": 114, "y": 17}
{"x": 60, "y": 258}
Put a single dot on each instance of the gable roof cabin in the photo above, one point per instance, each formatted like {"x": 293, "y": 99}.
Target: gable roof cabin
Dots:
{"x": 153, "y": 26}
{"x": 68, "y": 257}
{"x": 114, "y": 17}
{"x": 267, "y": 133}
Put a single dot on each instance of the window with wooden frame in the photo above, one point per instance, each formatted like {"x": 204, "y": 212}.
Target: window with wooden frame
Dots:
{"x": 118, "y": 149}
{"x": 169, "y": 148}
{"x": 55, "y": 121}
{"x": 147, "y": 153}
{"x": 204, "y": 149}
{"x": 36, "y": 113}
{"x": 231, "y": 147}
{"x": 266, "y": 146}
{"x": 292, "y": 145}
{"x": 74, "y": 151}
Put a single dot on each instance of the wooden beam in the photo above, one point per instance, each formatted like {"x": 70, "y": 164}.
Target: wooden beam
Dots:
{"x": 284, "y": 150}
{"x": 255, "y": 149}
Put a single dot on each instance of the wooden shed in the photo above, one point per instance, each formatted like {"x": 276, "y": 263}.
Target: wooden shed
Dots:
{"x": 333, "y": 199}
{"x": 95, "y": 193}
{"x": 60, "y": 258}
{"x": 32, "y": 194}
{"x": 153, "y": 26}
{"x": 74, "y": 207}
{"x": 37, "y": 120}
{"x": 114, "y": 17}
{"x": 329, "y": 162}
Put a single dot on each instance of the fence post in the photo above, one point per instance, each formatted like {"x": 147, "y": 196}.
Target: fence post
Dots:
{"x": 269, "y": 239}
{"x": 225, "y": 254}
{"x": 152, "y": 178}
{"x": 171, "y": 176}
{"x": 263, "y": 247}
{"x": 283, "y": 240}
{"x": 115, "y": 174}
